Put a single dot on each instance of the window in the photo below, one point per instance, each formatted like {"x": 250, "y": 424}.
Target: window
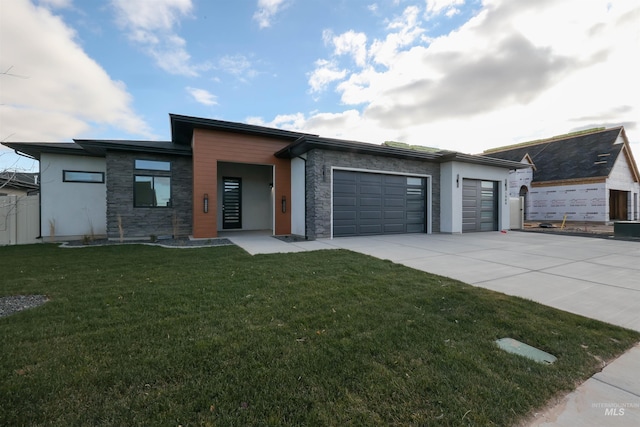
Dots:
{"x": 153, "y": 165}
{"x": 82, "y": 176}
{"x": 153, "y": 188}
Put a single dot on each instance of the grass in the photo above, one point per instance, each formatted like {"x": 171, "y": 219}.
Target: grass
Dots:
{"x": 138, "y": 335}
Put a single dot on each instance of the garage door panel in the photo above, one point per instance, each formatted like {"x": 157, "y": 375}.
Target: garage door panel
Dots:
{"x": 415, "y": 228}
{"x": 344, "y": 215}
{"x": 364, "y": 215}
{"x": 390, "y": 215}
{"x": 340, "y": 230}
{"x": 391, "y": 202}
{"x": 370, "y": 229}
{"x": 415, "y": 205}
{"x": 344, "y": 187}
{"x": 394, "y": 179}
{"x": 395, "y": 191}
{"x": 479, "y": 205}
{"x": 413, "y": 217}
{"x": 370, "y": 189}
{"x": 372, "y": 203}
{"x": 394, "y": 228}
{"x": 365, "y": 178}
{"x": 342, "y": 201}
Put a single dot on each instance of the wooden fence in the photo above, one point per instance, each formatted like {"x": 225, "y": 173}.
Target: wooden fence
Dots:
{"x": 19, "y": 220}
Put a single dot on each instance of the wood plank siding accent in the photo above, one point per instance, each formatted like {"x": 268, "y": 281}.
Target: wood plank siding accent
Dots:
{"x": 209, "y": 148}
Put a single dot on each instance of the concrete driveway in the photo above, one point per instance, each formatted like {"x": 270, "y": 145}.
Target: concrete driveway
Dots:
{"x": 594, "y": 277}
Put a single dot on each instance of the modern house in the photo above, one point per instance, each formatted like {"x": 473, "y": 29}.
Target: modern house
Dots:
{"x": 215, "y": 176}
{"x": 584, "y": 176}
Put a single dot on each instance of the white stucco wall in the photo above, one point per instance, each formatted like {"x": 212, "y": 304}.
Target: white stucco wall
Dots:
{"x": 257, "y": 196}
{"x": 298, "y": 196}
{"x": 71, "y": 210}
{"x": 451, "y": 176}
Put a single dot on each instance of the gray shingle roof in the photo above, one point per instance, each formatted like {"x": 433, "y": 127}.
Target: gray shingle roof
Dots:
{"x": 589, "y": 155}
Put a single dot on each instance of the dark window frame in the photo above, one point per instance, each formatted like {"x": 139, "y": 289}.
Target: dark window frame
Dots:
{"x": 148, "y": 171}
{"x": 84, "y": 181}
{"x": 150, "y": 163}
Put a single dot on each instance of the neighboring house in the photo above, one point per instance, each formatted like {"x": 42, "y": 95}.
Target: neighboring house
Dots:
{"x": 218, "y": 176}
{"x": 584, "y": 176}
{"x": 14, "y": 183}
{"x": 19, "y": 208}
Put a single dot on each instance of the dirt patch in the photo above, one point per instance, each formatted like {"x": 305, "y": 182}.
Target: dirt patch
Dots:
{"x": 571, "y": 227}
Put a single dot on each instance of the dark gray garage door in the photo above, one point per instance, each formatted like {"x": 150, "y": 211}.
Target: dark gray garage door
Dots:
{"x": 479, "y": 205}
{"x": 372, "y": 203}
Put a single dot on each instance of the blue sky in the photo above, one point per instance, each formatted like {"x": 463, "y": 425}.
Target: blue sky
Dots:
{"x": 464, "y": 75}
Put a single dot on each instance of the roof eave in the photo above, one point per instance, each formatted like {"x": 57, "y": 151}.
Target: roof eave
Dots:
{"x": 182, "y": 129}
{"x": 100, "y": 148}
{"x": 482, "y": 160}
{"x": 35, "y": 150}
{"x": 305, "y": 144}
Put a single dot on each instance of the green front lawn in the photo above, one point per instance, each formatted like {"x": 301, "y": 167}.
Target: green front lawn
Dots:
{"x": 139, "y": 335}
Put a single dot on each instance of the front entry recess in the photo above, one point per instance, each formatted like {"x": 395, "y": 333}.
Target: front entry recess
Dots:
{"x": 231, "y": 203}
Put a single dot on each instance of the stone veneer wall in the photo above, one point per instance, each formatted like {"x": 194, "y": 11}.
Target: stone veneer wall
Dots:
{"x": 144, "y": 222}
{"x": 318, "y": 184}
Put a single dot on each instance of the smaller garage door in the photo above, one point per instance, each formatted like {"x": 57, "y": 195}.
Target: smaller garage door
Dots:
{"x": 479, "y": 205}
{"x": 371, "y": 203}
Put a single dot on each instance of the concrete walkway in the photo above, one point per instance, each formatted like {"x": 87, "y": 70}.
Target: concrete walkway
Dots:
{"x": 596, "y": 278}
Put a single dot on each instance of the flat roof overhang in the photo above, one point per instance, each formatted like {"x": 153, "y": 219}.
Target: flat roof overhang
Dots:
{"x": 98, "y": 147}
{"x": 307, "y": 143}
{"x": 35, "y": 149}
{"x": 182, "y": 129}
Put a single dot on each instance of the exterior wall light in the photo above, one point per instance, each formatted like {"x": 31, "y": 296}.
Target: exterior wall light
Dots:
{"x": 205, "y": 203}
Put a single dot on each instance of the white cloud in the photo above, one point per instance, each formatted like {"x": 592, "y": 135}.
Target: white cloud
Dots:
{"x": 267, "y": 9}
{"x": 283, "y": 121}
{"x": 65, "y": 93}
{"x": 152, "y": 25}
{"x": 515, "y": 71}
{"x": 238, "y": 66}
{"x": 352, "y": 44}
{"x": 324, "y": 73}
{"x": 448, "y": 7}
{"x": 404, "y": 32}
{"x": 202, "y": 96}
